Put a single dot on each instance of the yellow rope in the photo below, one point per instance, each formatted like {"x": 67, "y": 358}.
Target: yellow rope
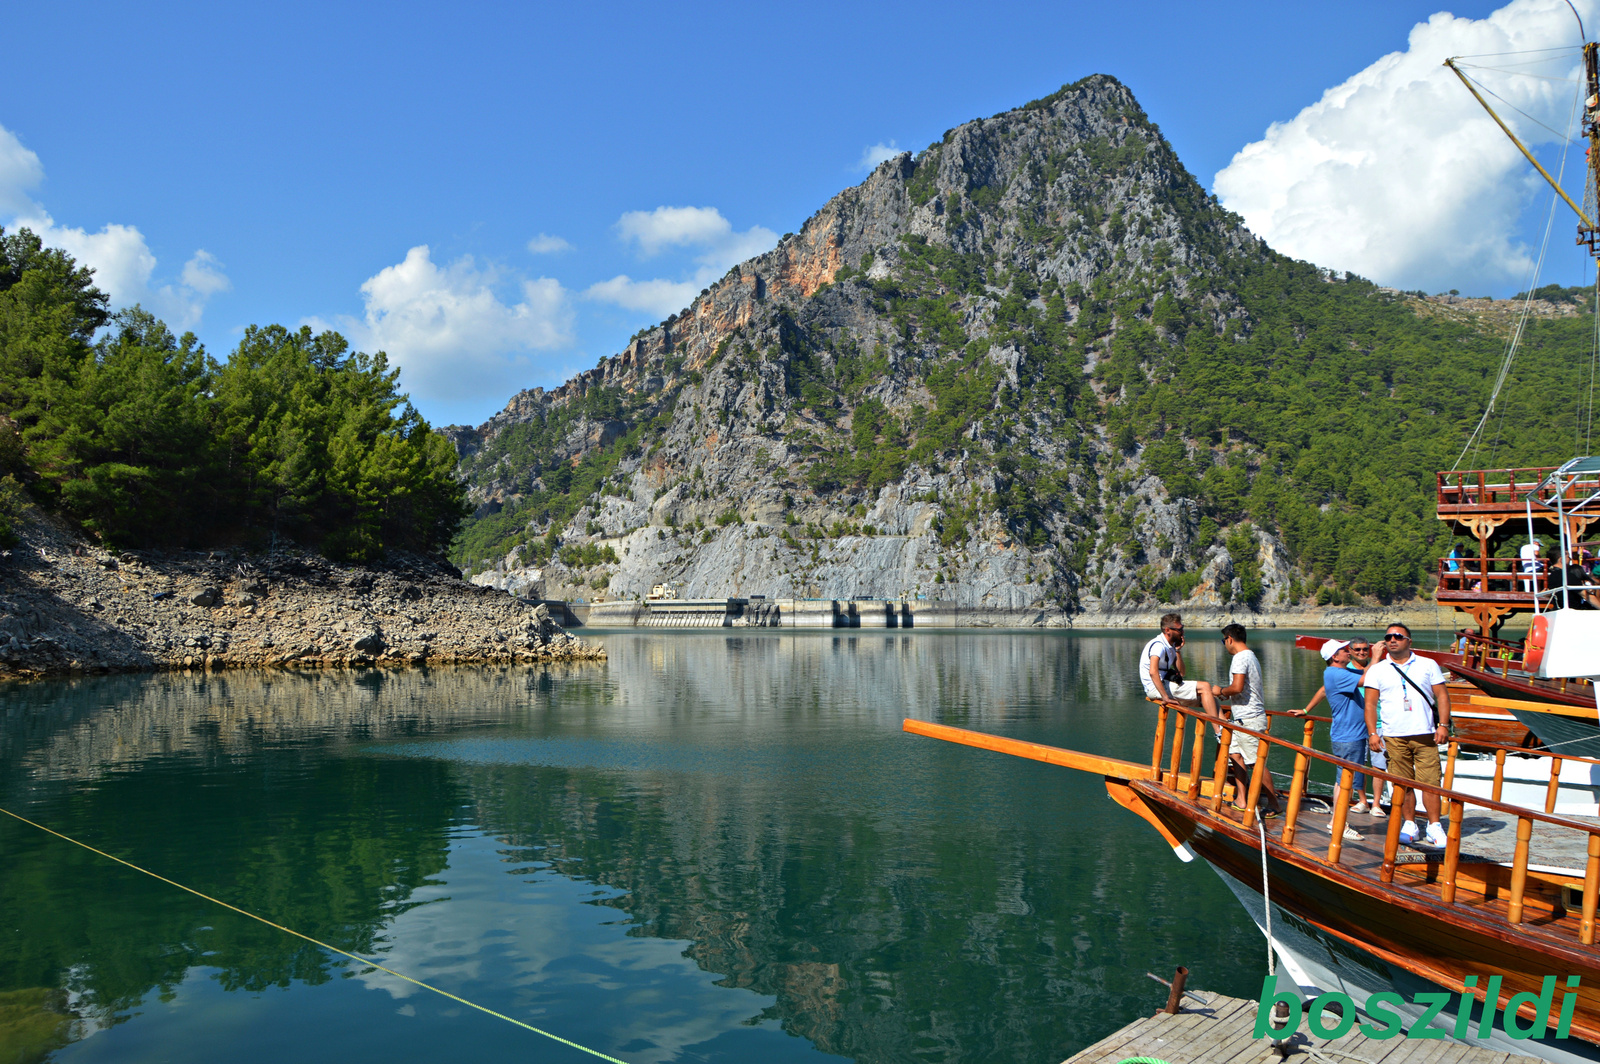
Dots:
{"x": 317, "y": 942}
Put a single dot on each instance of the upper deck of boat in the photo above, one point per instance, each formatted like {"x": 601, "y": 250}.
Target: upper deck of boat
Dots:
{"x": 1485, "y": 499}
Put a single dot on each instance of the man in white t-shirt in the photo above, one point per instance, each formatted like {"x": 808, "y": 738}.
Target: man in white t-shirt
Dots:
{"x": 1529, "y": 553}
{"x": 1248, "y": 708}
{"x": 1415, "y": 702}
{"x": 1161, "y": 669}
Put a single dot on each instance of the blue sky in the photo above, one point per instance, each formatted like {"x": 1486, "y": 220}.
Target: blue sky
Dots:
{"x": 274, "y": 161}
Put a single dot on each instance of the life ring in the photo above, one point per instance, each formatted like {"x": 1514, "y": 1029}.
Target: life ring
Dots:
{"x": 1538, "y": 639}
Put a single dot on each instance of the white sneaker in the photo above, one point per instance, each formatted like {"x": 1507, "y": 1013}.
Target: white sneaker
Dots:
{"x": 1408, "y": 832}
{"x": 1436, "y": 835}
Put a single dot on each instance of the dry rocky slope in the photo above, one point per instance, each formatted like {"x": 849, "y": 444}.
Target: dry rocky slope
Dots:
{"x": 66, "y": 607}
{"x": 707, "y": 435}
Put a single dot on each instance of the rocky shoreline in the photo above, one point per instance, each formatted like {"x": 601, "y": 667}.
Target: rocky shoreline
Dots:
{"x": 67, "y": 607}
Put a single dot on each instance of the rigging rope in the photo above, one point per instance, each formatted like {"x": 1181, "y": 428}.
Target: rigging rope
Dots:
{"x": 1515, "y": 339}
{"x": 318, "y": 943}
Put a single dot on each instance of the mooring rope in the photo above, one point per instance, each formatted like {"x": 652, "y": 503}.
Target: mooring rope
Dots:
{"x": 317, "y": 942}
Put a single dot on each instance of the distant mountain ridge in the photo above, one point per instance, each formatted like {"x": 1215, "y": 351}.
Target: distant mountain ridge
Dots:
{"x": 1034, "y": 366}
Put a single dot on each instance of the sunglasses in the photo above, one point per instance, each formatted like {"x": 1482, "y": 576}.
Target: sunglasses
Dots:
{"x": 1396, "y": 635}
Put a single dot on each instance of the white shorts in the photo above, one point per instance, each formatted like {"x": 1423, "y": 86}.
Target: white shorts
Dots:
{"x": 1245, "y": 745}
{"x": 1185, "y": 691}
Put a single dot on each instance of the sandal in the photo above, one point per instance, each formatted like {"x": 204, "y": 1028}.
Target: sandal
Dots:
{"x": 1271, "y": 814}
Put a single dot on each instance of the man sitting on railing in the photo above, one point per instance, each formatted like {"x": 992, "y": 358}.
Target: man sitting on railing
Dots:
{"x": 1161, "y": 669}
{"x": 1414, "y": 723}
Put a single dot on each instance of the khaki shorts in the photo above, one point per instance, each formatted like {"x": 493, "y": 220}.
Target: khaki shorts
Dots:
{"x": 1413, "y": 757}
{"x": 1245, "y": 745}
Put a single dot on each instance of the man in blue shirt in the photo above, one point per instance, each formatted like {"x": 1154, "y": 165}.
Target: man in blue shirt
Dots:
{"x": 1347, "y": 736}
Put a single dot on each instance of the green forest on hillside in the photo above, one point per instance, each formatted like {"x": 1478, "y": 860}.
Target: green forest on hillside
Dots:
{"x": 145, "y": 440}
{"x": 1321, "y": 412}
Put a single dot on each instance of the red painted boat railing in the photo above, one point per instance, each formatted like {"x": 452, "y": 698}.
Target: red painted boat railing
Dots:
{"x": 1166, "y": 765}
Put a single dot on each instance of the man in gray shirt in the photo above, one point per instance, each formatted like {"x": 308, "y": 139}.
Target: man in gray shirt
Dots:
{"x": 1249, "y": 710}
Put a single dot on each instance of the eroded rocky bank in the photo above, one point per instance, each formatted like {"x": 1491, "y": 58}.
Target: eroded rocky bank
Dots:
{"x": 66, "y": 606}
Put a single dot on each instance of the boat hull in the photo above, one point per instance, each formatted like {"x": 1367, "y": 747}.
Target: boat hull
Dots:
{"x": 1568, "y": 736}
{"x": 1320, "y": 963}
{"x": 1337, "y": 936}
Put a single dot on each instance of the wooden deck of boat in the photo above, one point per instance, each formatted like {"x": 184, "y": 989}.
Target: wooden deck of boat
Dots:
{"x": 1488, "y": 839}
{"x": 1222, "y": 1031}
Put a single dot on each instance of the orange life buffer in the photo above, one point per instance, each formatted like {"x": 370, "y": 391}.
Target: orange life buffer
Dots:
{"x": 1500, "y": 492}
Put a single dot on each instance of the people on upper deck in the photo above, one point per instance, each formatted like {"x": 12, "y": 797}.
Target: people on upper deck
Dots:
{"x": 1572, "y": 586}
{"x": 1248, "y": 708}
{"x": 1452, "y": 561}
{"x": 1161, "y": 669}
{"x": 1532, "y": 563}
{"x": 1410, "y": 692}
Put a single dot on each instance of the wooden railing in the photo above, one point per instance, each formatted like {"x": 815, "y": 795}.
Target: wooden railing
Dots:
{"x": 1496, "y": 655}
{"x": 1488, "y": 577}
{"x": 1165, "y": 767}
{"x": 1501, "y": 488}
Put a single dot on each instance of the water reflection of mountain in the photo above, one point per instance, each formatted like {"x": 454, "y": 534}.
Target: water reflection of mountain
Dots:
{"x": 901, "y": 899}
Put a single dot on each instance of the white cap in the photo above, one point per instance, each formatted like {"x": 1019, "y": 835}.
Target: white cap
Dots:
{"x": 1332, "y": 647}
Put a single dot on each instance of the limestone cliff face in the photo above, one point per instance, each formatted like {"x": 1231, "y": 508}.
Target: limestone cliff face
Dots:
{"x": 887, "y": 403}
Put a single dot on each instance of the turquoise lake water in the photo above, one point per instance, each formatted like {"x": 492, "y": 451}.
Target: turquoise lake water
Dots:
{"x": 717, "y": 846}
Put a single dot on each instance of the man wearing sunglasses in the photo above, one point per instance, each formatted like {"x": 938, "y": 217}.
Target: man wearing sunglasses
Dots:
{"x": 1414, "y": 702}
{"x": 1162, "y": 671}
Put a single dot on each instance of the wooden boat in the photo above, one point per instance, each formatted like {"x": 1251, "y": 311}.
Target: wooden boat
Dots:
{"x": 1480, "y": 726}
{"x": 1368, "y": 915}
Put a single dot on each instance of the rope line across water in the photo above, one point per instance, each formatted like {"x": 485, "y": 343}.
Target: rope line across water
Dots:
{"x": 317, "y": 942}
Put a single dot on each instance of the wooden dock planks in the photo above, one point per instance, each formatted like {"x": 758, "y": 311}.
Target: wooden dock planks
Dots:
{"x": 1223, "y": 1032}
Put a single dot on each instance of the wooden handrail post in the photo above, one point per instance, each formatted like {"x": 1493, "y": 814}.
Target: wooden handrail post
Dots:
{"x": 1297, "y": 790}
{"x": 1452, "y": 853}
{"x": 1399, "y": 812}
{"x": 1591, "y": 891}
{"x": 1554, "y": 785}
{"x": 1341, "y": 813}
{"x": 1450, "y": 764}
{"x": 1219, "y": 776}
{"x": 1256, "y": 772}
{"x": 1180, "y": 728}
{"x": 1519, "y": 870}
{"x": 1196, "y": 759}
{"x": 1161, "y": 740}
{"x": 1499, "y": 774}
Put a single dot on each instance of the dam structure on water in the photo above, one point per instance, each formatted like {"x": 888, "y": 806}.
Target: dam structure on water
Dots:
{"x": 760, "y": 612}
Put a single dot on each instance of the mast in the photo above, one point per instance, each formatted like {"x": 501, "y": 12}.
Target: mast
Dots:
{"x": 1591, "y": 130}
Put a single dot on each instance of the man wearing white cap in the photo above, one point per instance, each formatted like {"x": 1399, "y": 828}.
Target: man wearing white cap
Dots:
{"x": 1347, "y": 735}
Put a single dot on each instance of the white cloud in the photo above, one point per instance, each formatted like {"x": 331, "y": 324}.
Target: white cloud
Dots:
{"x": 703, "y": 228}
{"x": 673, "y": 227}
{"x": 203, "y": 273}
{"x": 124, "y": 266}
{"x": 545, "y": 244}
{"x": 1399, "y": 175}
{"x": 20, "y": 172}
{"x": 656, "y": 297}
{"x": 454, "y": 338}
{"x": 879, "y": 152}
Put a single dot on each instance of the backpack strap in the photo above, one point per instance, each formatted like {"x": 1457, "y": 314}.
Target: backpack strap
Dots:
{"x": 1427, "y": 699}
